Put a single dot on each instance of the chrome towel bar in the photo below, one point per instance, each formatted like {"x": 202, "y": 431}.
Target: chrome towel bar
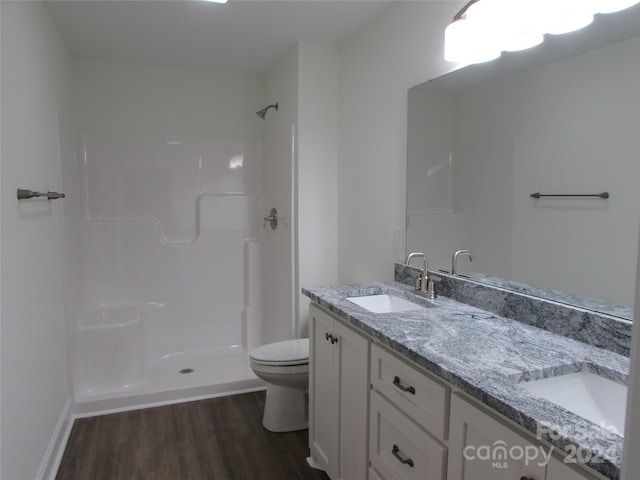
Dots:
{"x": 586, "y": 195}
{"x": 26, "y": 194}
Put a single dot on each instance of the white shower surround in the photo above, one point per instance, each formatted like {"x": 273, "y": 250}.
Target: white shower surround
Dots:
{"x": 169, "y": 245}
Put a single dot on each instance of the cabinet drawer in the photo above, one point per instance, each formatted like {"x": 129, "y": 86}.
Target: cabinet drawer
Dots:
{"x": 421, "y": 398}
{"x": 399, "y": 449}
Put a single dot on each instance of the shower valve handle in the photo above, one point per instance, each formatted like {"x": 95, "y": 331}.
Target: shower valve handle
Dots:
{"x": 272, "y": 219}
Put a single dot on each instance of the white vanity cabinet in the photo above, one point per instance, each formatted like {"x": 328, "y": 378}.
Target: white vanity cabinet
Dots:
{"x": 338, "y": 397}
{"x": 481, "y": 447}
{"x": 409, "y": 421}
{"x": 557, "y": 470}
{"x": 374, "y": 415}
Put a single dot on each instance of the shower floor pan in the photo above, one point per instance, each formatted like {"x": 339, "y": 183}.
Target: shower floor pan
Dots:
{"x": 174, "y": 378}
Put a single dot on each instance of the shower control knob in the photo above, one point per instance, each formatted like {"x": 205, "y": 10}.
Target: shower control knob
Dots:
{"x": 272, "y": 219}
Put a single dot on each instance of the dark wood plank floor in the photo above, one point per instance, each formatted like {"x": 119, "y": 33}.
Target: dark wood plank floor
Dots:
{"x": 221, "y": 438}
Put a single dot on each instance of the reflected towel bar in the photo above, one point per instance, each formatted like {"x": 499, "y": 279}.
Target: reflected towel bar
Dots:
{"x": 586, "y": 195}
{"x": 26, "y": 194}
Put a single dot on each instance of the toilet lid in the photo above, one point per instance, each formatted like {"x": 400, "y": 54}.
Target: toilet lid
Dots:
{"x": 282, "y": 352}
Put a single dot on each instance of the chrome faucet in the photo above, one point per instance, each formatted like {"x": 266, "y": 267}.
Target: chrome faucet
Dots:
{"x": 425, "y": 284}
{"x": 454, "y": 260}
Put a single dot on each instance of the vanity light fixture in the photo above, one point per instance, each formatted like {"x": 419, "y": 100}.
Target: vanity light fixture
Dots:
{"x": 483, "y": 29}
{"x": 216, "y": 1}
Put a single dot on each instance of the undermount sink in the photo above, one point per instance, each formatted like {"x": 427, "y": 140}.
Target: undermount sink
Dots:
{"x": 385, "y": 303}
{"x": 589, "y": 396}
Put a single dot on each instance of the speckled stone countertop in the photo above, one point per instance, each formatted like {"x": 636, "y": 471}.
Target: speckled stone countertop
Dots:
{"x": 486, "y": 356}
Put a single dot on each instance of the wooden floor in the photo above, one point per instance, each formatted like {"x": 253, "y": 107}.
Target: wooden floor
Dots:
{"x": 221, "y": 438}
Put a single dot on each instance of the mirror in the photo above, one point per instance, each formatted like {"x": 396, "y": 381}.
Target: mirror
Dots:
{"x": 562, "y": 118}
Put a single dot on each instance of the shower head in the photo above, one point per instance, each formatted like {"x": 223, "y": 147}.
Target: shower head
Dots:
{"x": 263, "y": 112}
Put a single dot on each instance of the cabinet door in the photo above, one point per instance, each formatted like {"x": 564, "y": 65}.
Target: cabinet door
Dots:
{"x": 323, "y": 393}
{"x": 557, "y": 470}
{"x": 353, "y": 382}
{"x": 482, "y": 448}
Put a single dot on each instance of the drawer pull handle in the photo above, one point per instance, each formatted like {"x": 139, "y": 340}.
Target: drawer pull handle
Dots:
{"x": 329, "y": 337}
{"x": 527, "y": 478}
{"x": 407, "y": 461}
{"x": 396, "y": 382}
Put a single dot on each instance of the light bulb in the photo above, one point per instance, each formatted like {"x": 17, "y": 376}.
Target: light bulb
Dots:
{"x": 457, "y": 36}
{"x": 464, "y": 43}
{"x": 569, "y": 23}
{"x": 524, "y": 42}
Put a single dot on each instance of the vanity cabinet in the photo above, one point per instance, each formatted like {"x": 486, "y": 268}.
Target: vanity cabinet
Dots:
{"x": 374, "y": 415}
{"x": 557, "y": 470}
{"x": 338, "y": 397}
{"x": 409, "y": 421}
{"x": 481, "y": 447}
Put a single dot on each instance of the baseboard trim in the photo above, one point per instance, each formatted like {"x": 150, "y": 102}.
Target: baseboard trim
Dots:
{"x": 55, "y": 450}
{"x": 313, "y": 464}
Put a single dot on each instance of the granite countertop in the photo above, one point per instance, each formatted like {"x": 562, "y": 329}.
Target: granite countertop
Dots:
{"x": 486, "y": 356}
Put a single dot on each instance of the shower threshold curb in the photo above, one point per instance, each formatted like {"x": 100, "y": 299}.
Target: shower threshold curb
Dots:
{"x": 138, "y": 401}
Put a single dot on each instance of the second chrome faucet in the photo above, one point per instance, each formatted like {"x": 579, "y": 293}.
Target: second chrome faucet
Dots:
{"x": 454, "y": 260}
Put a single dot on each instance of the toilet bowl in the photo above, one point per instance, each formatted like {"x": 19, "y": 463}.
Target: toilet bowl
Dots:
{"x": 285, "y": 367}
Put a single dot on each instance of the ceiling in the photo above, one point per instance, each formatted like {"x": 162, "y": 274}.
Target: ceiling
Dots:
{"x": 242, "y": 36}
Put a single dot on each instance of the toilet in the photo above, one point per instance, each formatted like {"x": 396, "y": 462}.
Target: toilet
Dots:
{"x": 285, "y": 367}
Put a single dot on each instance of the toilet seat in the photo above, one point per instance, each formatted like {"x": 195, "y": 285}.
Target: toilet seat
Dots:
{"x": 285, "y": 354}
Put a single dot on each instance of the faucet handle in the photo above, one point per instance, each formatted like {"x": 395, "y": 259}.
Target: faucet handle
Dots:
{"x": 431, "y": 286}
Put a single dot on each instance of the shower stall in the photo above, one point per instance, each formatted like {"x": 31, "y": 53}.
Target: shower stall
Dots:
{"x": 172, "y": 277}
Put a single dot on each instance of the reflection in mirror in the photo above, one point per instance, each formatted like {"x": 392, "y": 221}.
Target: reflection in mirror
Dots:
{"x": 482, "y": 139}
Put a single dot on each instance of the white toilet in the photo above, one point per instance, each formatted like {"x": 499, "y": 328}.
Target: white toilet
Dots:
{"x": 285, "y": 366}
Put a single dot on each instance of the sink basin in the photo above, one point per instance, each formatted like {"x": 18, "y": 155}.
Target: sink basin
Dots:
{"x": 385, "y": 303}
{"x": 590, "y": 396}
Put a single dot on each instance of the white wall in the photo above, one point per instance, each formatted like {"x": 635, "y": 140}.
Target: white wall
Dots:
{"x": 317, "y": 170}
{"x": 136, "y": 99}
{"x": 401, "y": 47}
{"x": 304, "y": 82}
{"x": 280, "y": 160}
{"x": 35, "y": 386}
